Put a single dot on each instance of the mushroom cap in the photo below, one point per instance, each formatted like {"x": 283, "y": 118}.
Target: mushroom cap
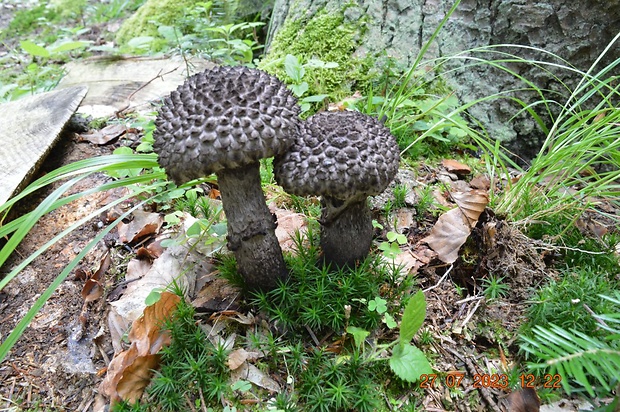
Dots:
{"x": 342, "y": 155}
{"x": 224, "y": 118}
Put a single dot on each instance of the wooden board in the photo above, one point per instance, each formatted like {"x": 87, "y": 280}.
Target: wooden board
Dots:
{"x": 128, "y": 83}
{"x": 28, "y": 129}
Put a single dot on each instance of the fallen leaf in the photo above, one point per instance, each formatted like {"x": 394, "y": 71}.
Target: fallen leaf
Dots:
{"x": 254, "y": 375}
{"x": 143, "y": 224}
{"x": 288, "y": 224}
{"x": 214, "y": 194}
{"x": 105, "y": 135}
{"x": 345, "y": 103}
{"x": 481, "y": 182}
{"x": 137, "y": 269}
{"x": 155, "y": 248}
{"x": 471, "y": 203}
{"x": 92, "y": 290}
{"x": 216, "y": 296}
{"x": 93, "y": 287}
{"x": 525, "y": 400}
{"x": 455, "y": 167}
{"x": 136, "y": 376}
{"x": 236, "y": 358}
{"x": 454, "y": 227}
{"x": 146, "y": 331}
{"x": 130, "y": 371}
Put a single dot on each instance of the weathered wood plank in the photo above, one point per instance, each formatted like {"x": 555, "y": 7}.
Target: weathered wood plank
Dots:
{"x": 28, "y": 129}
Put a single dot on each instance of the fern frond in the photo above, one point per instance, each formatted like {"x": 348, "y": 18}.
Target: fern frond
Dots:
{"x": 575, "y": 355}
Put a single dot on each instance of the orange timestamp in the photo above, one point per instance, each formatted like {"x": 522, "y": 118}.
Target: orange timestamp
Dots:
{"x": 486, "y": 380}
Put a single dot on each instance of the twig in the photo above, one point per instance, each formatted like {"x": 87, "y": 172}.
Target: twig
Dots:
{"x": 121, "y": 110}
{"x": 202, "y": 399}
{"x": 595, "y": 316}
{"x": 316, "y": 341}
{"x": 470, "y": 314}
{"x": 469, "y": 299}
{"x": 445, "y": 275}
{"x": 472, "y": 370}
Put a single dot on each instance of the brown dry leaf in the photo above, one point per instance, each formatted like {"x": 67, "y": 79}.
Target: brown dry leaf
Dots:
{"x": 130, "y": 371}
{"x": 481, "y": 182}
{"x": 471, "y": 203}
{"x": 407, "y": 262}
{"x": 344, "y": 103}
{"x": 146, "y": 332}
{"x": 453, "y": 227}
{"x": 105, "y": 135}
{"x": 214, "y": 194}
{"x": 216, "y": 296}
{"x": 93, "y": 288}
{"x": 136, "y": 376}
{"x": 455, "y": 167}
{"x": 254, "y": 375}
{"x": 155, "y": 248}
{"x": 115, "y": 372}
{"x": 289, "y": 223}
{"x": 236, "y": 358}
{"x": 525, "y": 400}
{"x": 143, "y": 224}
{"x": 137, "y": 268}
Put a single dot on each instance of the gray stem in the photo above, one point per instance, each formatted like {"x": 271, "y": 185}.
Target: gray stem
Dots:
{"x": 251, "y": 228}
{"x": 346, "y": 234}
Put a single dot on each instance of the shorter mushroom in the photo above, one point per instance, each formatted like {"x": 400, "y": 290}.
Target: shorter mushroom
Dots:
{"x": 223, "y": 121}
{"x": 344, "y": 157}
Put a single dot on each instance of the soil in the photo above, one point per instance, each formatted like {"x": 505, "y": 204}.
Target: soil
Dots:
{"x": 37, "y": 370}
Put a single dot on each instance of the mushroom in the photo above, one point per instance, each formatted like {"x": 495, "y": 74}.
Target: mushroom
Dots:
{"x": 344, "y": 157}
{"x": 223, "y": 121}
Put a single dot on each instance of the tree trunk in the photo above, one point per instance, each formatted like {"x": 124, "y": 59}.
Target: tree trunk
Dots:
{"x": 346, "y": 238}
{"x": 251, "y": 228}
{"x": 576, "y": 31}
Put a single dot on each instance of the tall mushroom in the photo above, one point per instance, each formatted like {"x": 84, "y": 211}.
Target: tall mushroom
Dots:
{"x": 344, "y": 157}
{"x": 223, "y": 121}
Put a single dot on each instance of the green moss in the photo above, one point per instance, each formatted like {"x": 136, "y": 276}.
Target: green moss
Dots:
{"x": 68, "y": 8}
{"x": 27, "y": 20}
{"x": 152, "y": 14}
{"x": 327, "y": 37}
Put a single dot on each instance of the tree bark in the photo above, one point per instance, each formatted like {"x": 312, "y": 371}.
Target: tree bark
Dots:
{"x": 251, "y": 228}
{"x": 575, "y": 31}
{"x": 346, "y": 238}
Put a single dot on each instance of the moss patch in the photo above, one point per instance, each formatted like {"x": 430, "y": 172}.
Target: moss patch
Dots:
{"x": 326, "y": 37}
{"x": 152, "y": 14}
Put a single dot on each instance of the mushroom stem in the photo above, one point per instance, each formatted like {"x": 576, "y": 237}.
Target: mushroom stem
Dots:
{"x": 346, "y": 234}
{"x": 251, "y": 228}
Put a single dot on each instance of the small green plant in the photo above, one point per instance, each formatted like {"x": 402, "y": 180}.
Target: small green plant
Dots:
{"x": 407, "y": 361}
{"x": 192, "y": 369}
{"x": 309, "y": 298}
{"x": 494, "y": 287}
{"x": 391, "y": 248}
{"x": 569, "y": 301}
{"x": 425, "y": 202}
{"x": 577, "y": 357}
{"x": 400, "y": 193}
{"x": 379, "y": 305}
{"x": 296, "y": 72}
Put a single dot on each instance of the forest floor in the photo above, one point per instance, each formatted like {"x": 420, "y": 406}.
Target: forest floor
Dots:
{"x": 61, "y": 359}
